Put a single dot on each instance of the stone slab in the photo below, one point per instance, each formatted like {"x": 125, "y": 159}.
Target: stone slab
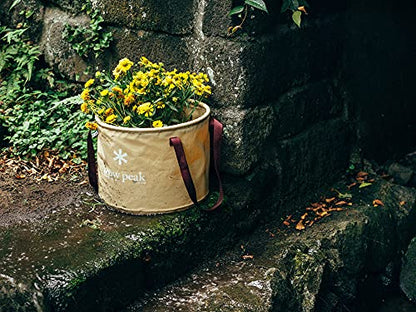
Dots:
{"x": 408, "y": 273}
{"x": 314, "y": 157}
{"x": 171, "y": 16}
{"x": 82, "y": 256}
{"x": 171, "y": 50}
{"x": 57, "y": 52}
{"x": 319, "y": 269}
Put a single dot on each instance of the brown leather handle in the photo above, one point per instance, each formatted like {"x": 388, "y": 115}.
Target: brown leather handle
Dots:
{"x": 92, "y": 165}
{"x": 216, "y": 129}
{"x": 183, "y": 166}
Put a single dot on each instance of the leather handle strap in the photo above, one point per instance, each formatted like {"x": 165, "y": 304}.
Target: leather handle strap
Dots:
{"x": 216, "y": 129}
{"x": 183, "y": 166}
{"x": 92, "y": 165}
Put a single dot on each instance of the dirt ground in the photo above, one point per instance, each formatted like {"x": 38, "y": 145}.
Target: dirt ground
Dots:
{"x": 29, "y": 198}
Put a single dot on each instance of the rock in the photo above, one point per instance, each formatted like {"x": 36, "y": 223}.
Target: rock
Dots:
{"x": 57, "y": 262}
{"x": 171, "y": 50}
{"x": 322, "y": 268}
{"x": 34, "y": 9}
{"x": 312, "y": 157}
{"x": 58, "y": 53}
{"x": 167, "y": 16}
{"x": 71, "y": 6}
{"x": 245, "y": 132}
{"x": 408, "y": 273}
{"x": 301, "y": 108}
{"x": 401, "y": 174}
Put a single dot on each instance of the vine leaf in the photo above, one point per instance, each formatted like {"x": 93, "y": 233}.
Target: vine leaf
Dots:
{"x": 258, "y": 4}
{"x": 236, "y": 10}
{"x": 296, "y": 17}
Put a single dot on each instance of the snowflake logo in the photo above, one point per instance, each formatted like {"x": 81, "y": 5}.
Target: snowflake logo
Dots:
{"x": 120, "y": 157}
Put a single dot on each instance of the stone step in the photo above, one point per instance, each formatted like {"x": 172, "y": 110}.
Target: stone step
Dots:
{"x": 78, "y": 255}
{"x": 344, "y": 259}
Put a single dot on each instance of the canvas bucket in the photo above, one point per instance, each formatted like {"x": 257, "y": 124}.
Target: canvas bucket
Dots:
{"x": 144, "y": 170}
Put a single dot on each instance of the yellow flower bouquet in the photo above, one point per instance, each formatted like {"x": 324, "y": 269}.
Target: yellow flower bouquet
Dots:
{"x": 143, "y": 95}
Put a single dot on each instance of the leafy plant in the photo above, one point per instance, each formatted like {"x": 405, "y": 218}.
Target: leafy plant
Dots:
{"x": 91, "y": 39}
{"x": 297, "y": 7}
{"x": 32, "y": 108}
{"x": 143, "y": 95}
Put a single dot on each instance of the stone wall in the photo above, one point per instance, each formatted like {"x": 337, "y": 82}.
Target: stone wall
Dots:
{"x": 379, "y": 73}
{"x": 281, "y": 92}
{"x": 275, "y": 87}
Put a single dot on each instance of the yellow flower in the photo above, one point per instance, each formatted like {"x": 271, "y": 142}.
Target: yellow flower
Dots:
{"x": 160, "y": 105}
{"x": 85, "y": 95}
{"x": 146, "y": 109}
{"x": 117, "y": 89}
{"x": 101, "y": 111}
{"x": 126, "y": 119}
{"x": 134, "y": 108}
{"x": 125, "y": 64}
{"x": 129, "y": 99}
{"x": 84, "y": 107}
{"x": 91, "y": 125}
{"x": 109, "y": 111}
{"x": 119, "y": 92}
{"x": 207, "y": 89}
{"x": 175, "y": 99}
{"x": 157, "y": 124}
{"x": 116, "y": 73}
{"x": 97, "y": 74}
{"x": 111, "y": 118}
{"x": 104, "y": 92}
{"x": 89, "y": 83}
{"x": 144, "y": 61}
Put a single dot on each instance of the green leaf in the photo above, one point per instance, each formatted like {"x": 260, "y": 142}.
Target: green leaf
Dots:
{"x": 296, "y": 17}
{"x": 364, "y": 184}
{"x": 16, "y": 2}
{"x": 236, "y": 10}
{"x": 258, "y": 4}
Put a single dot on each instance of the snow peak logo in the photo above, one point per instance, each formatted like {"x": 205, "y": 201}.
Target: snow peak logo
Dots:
{"x": 117, "y": 176}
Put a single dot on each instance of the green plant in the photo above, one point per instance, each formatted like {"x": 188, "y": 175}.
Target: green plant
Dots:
{"x": 32, "y": 108}
{"x": 143, "y": 95}
{"x": 91, "y": 39}
{"x": 297, "y": 7}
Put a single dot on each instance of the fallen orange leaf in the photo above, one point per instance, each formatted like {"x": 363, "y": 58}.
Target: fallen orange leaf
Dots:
{"x": 302, "y": 8}
{"x": 340, "y": 203}
{"x": 377, "y": 202}
{"x": 330, "y": 200}
{"x": 351, "y": 185}
{"x": 304, "y": 216}
{"x": 286, "y": 223}
{"x": 246, "y": 257}
{"x": 362, "y": 174}
{"x": 300, "y": 226}
{"x": 402, "y": 203}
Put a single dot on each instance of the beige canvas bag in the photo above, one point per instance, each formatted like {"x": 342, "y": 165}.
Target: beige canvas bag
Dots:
{"x": 154, "y": 170}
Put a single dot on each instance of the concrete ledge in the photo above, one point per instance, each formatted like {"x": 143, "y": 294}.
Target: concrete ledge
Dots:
{"x": 83, "y": 257}
{"x": 345, "y": 262}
